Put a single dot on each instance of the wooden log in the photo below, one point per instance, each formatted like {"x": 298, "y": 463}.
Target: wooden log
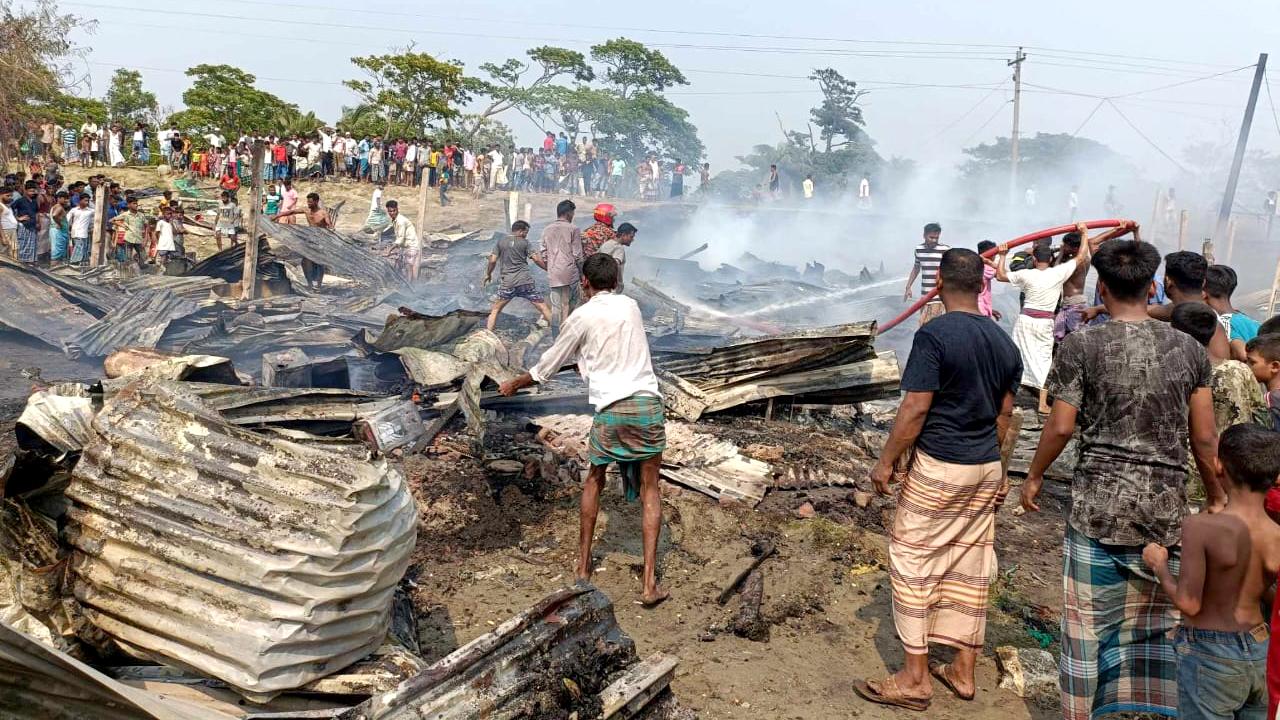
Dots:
{"x": 249, "y": 276}
{"x": 629, "y": 694}
{"x": 1184, "y": 219}
{"x": 747, "y": 621}
{"x": 1275, "y": 292}
{"x": 725, "y": 594}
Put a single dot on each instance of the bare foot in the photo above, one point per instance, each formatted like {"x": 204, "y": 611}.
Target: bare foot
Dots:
{"x": 582, "y": 573}
{"x": 655, "y": 598}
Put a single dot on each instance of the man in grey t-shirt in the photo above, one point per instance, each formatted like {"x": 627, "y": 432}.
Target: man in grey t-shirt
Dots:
{"x": 511, "y": 254}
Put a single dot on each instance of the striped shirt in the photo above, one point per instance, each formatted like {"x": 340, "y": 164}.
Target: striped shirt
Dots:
{"x": 929, "y": 258}
{"x": 69, "y": 136}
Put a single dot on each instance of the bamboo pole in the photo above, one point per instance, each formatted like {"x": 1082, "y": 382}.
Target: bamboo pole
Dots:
{"x": 1184, "y": 219}
{"x": 1275, "y": 292}
{"x": 99, "y": 230}
{"x": 1231, "y": 238}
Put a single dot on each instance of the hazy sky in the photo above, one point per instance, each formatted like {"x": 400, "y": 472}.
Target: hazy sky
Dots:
{"x": 301, "y": 50}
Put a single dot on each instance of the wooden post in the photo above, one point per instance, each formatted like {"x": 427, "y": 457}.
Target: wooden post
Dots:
{"x": 513, "y": 207}
{"x": 1275, "y": 293}
{"x": 1157, "y": 227}
{"x": 249, "y": 278}
{"x": 528, "y": 212}
{"x": 1231, "y": 238}
{"x": 1184, "y": 219}
{"x": 422, "y": 208}
{"x": 98, "y": 233}
{"x": 1206, "y": 249}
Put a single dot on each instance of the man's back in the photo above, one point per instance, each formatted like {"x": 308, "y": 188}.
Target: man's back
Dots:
{"x": 1043, "y": 287}
{"x": 562, "y": 245}
{"x": 970, "y": 365}
{"x": 1131, "y": 383}
{"x": 513, "y": 261}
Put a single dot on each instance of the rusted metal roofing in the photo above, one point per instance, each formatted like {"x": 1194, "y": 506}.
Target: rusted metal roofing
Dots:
{"x": 244, "y": 556}
{"x": 139, "y": 322}
{"x": 340, "y": 255}
{"x": 60, "y": 415}
{"x": 37, "y": 681}
{"x": 36, "y": 308}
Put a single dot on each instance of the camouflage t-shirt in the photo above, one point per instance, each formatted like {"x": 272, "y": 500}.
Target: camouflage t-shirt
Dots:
{"x": 1132, "y": 383}
{"x": 1237, "y": 396}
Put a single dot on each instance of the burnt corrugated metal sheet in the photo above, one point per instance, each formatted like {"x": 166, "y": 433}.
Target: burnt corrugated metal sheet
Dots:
{"x": 61, "y": 416}
{"x": 38, "y": 309}
{"x": 37, "y": 681}
{"x": 139, "y": 322}
{"x": 789, "y": 352}
{"x": 341, "y": 256}
{"x": 248, "y": 558}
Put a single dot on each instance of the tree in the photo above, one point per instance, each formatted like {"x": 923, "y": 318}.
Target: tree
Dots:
{"x": 291, "y": 121}
{"x": 37, "y": 68}
{"x": 631, "y": 67}
{"x": 839, "y": 118}
{"x": 71, "y": 110}
{"x": 509, "y": 86}
{"x": 1051, "y": 162}
{"x": 127, "y": 101}
{"x": 411, "y": 89}
{"x": 223, "y": 97}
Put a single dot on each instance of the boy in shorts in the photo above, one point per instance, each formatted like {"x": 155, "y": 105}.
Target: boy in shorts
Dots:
{"x": 513, "y": 256}
{"x": 1229, "y": 560}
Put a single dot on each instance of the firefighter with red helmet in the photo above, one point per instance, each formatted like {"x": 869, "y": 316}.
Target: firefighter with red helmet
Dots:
{"x": 601, "y": 232}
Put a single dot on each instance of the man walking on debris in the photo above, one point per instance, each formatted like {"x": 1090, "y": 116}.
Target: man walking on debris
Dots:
{"x": 407, "y": 240}
{"x": 1136, "y": 388}
{"x": 617, "y": 249}
{"x": 562, "y": 253}
{"x": 606, "y": 339}
{"x": 960, "y": 382}
{"x": 927, "y": 257}
{"x": 1033, "y": 331}
{"x": 316, "y": 216}
{"x": 512, "y": 256}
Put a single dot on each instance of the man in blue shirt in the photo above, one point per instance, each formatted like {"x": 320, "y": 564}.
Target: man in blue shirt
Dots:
{"x": 27, "y": 212}
{"x": 1219, "y": 283}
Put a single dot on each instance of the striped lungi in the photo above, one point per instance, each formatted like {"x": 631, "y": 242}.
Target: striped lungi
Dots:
{"x": 1116, "y": 652}
{"x": 27, "y": 244}
{"x": 942, "y": 556}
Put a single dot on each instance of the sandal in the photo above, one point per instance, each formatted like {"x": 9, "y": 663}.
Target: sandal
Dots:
{"x": 888, "y": 694}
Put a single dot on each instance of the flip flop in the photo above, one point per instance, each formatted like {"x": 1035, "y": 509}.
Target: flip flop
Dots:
{"x": 866, "y": 692}
{"x": 939, "y": 673}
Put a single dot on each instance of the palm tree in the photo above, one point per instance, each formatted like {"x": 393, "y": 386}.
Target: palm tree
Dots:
{"x": 292, "y": 122}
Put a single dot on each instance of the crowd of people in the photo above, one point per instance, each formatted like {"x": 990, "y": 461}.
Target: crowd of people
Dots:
{"x": 1173, "y": 395}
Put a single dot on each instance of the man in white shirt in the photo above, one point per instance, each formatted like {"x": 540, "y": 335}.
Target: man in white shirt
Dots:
{"x": 326, "y": 152}
{"x": 8, "y": 226}
{"x": 407, "y": 240}
{"x": 807, "y": 185}
{"x": 80, "y": 219}
{"x": 605, "y": 337}
{"x": 1033, "y": 331}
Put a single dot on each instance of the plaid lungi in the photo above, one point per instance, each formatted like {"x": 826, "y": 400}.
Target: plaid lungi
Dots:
{"x": 1116, "y": 652}
{"x": 629, "y": 430}
{"x": 27, "y": 243}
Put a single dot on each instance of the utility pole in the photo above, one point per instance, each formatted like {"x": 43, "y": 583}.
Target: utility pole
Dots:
{"x": 1016, "y": 62}
{"x": 1229, "y": 197}
{"x": 249, "y": 275}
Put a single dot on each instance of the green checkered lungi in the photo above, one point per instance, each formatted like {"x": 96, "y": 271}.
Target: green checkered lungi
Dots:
{"x": 628, "y": 432}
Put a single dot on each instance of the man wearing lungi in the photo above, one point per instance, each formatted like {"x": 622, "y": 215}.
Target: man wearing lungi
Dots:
{"x": 26, "y": 209}
{"x": 1136, "y": 387}
{"x": 1033, "y": 331}
{"x": 605, "y": 337}
{"x": 960, "y": 383}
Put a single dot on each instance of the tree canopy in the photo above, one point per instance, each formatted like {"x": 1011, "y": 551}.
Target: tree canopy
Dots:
{"x": 223, "y": 97}
{"x": 37, "y": 73}
{"x": 411, "y": 89}
{"x": 127, "y": 101}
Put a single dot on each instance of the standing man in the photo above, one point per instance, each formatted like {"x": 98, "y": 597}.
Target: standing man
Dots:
{"x": 1033, "y": 330}
{"x": 617, "y": 249}
{"x": 960, "y": 380}
{"x": 928, "y": 256}
{"x": 807, "y": 186}
{"x": 1136, "y": 388}
{"x": 562, "y": 253}
{"x": 1219, "y": 284}
{"x": 135, "y": 230}
{"x": 606, "y": 339}
{"x": 512, "y": 255}
{"x": 407, "y": 240}
{"x": 1070, "y": 316}
{"x": 316, "y": 216}
{"x": 8, "y": 223}
{"x": 864, "y": 193}
{"x": 1073, "y": 203}
{"x": 81, "y": 221}
{"x": 27, "y": 212}
{"x": 601, "y": 231}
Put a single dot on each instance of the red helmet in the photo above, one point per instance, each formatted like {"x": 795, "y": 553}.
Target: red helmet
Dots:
{"x": 605, "y": 213}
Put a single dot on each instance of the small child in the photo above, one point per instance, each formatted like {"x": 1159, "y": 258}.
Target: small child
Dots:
{"x": 1263, "y": 353}
{"x": 1228, "y": 562}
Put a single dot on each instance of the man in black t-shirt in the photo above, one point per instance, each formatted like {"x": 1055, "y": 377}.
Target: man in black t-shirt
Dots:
{"x": 960, "y": 383}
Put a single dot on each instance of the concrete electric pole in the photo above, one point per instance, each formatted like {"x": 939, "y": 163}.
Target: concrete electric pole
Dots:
{"x": 1229, "y": 197}
{"x": 1016, "y": 63}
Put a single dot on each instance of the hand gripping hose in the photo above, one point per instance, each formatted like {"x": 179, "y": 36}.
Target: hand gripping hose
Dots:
{"x": 1028, "y": 238}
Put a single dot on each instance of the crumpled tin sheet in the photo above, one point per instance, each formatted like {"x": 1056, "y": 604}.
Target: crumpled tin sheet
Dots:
{"x": 340, "y": 255}
{"x": 139, "y": 322}
{"x": 241, "y": 555}
{"x": 37, "y": 681}
{"x": 61, "y": 416}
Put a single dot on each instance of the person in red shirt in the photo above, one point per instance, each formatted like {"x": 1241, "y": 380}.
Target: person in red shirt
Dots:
{"x": 549, "y": 142}
{"x": 280, "y": 158}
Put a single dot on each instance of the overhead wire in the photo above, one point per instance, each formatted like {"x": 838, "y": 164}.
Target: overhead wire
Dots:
{"x": 965, "y": 114}
{"x": 1272, "y": 103}
{"x": 1143, "y": 135}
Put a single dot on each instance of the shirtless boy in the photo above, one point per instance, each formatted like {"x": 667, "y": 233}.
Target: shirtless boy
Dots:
{"x": 1229, "y": 560}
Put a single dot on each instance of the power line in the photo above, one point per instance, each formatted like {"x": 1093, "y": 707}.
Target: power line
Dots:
{"x": 965, "y": 114}
{"x": 1143, "y": 135}
{"x": 985, "y": 124}
{"x": 1185, "y": 82}
{"x": 1272, "y": 103}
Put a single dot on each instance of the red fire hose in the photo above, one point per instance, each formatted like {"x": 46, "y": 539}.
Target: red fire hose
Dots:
{"x": 1030, "y": 237}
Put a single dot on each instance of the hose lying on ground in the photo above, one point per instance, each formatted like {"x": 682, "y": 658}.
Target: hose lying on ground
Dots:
{"x": 1023, "y": 240}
